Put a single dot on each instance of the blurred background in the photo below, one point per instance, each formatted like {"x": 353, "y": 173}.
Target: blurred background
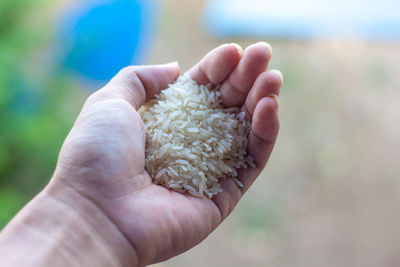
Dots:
{"x": 330, "y": 195}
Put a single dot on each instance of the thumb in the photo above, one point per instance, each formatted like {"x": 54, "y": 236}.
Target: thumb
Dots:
{"x": 137, "y": 84}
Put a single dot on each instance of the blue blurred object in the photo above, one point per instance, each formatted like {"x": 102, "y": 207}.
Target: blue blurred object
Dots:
{"x": 101, "y": 37}
{"x": 289, "y": 19}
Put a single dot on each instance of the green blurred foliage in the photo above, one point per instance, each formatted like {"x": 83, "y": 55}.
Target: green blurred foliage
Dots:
{"x": 33, "y": 117}
{"x": 264, "y": 219}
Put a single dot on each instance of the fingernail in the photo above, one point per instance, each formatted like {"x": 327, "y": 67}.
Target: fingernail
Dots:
{"x": 277, "y": 72}
{"x": 268, "y": 46}
{"x": 276, "y": 99}
{"x": 239, "y": 48}
{"x": 173, "y": 63}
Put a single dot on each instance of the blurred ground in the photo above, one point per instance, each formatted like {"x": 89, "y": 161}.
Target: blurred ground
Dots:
{"x": 330, "y": 195}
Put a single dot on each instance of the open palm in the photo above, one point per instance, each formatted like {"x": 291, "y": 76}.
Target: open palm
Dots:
{"x": 103, "y": 156}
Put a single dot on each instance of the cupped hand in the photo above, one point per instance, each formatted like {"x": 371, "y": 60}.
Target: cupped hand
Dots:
{"x": 102, "y": 159}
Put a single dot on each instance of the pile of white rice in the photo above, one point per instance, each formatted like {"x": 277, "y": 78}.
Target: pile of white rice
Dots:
{"x": 192, "y": 140}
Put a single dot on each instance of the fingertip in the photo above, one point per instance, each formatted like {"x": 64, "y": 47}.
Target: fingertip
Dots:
{"x": 217, "y": 65}
{"x": 278, "y": 74}
{"x": 267, "y": 84}
{"x": 276, "y": 100}
{"x": 231, "y": 53}
{"x": 174, "y": 67}
{"x": 265, "y": 123}
{"x": 260, "y": 51}
{"x": 268, "y": 46}
{"x": 173, "y": 64}
{"x": 137, "y": 84}
{"x": 238, "y": 48}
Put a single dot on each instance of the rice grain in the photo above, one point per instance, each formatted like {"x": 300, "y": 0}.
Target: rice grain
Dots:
{"x": 192, "y": 140}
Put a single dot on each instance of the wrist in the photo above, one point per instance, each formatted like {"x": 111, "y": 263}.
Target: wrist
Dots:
{"x": 108, "y": 236}
{"x": 60, "y": 227}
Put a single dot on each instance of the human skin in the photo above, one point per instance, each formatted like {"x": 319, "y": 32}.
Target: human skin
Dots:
{"x": 101, "y": 208}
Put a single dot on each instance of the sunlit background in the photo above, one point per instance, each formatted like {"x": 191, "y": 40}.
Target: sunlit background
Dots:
{"x": 330, "y": 195}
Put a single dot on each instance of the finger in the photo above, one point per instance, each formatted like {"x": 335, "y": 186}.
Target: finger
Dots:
{"x": 137, "y": 84}
{"x": 254, "y": 61}
{"x": 216, "y": 66}
{"x": 265, "y": 127}
{"x": 267, "y": 83}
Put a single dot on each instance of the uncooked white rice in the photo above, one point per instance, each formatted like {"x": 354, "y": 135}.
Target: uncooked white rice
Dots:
{"x": 192, "y": 141}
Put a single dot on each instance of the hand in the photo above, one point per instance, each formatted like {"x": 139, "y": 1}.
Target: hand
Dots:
{"x": 102, "y": 159}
